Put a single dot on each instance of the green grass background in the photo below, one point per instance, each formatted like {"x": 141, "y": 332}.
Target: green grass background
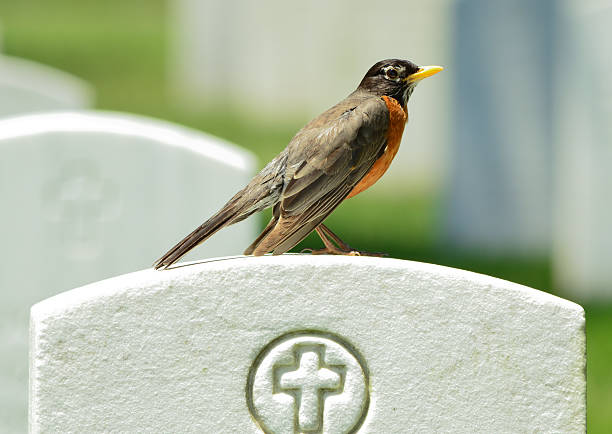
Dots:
{"x": 121, "y": 48}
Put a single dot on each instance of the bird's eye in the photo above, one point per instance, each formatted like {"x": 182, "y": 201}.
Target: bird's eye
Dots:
{"x": 392, "y": 73}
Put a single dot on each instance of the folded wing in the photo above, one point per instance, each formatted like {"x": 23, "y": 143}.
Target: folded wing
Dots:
{"x": 324, "y": 163}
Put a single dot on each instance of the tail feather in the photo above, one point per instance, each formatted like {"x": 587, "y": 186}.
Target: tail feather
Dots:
{"x": 226, "y": 216}
{"x": 262, "y": 192}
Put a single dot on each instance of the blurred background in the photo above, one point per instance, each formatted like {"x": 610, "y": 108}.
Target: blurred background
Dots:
{"x": 505, "y": 167}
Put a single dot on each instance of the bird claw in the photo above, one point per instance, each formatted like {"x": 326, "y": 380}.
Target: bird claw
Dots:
{"x": 338, "y": 251}
{"x": 374, "y": 254}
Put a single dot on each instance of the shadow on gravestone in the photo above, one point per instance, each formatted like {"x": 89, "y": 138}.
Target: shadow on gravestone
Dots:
{"x": 89, "y": 195}
{"x": 27, "y": 86}
{"x": 297, "y": 343}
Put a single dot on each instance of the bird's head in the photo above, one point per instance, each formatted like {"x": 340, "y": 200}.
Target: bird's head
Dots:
{"x": 395, "y": 78}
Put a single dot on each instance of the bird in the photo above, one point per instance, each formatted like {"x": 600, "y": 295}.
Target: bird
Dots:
{"x": 336, "y": 156}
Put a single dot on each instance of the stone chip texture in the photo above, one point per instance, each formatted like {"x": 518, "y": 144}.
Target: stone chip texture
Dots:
{"x": 170, "y": 351}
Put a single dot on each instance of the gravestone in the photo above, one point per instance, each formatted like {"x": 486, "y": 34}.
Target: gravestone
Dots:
{"x": 499, "y": 187}
{"x": 27, "y": 86}
{"x": 299, "y": 64}
{"x": 582, "y": 252}
{"x": 300, "y": 343}
{"x": 89, "y": 195}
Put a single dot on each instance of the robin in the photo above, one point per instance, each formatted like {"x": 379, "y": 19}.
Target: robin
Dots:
{"x": 336, "y": 156}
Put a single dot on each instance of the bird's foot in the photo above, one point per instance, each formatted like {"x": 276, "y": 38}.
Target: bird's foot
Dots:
{"x": 337, "y": 247}
{"x": 333, "y": 250}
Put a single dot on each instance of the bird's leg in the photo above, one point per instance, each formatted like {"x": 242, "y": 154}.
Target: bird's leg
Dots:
{"x": 330, "y": 248}
{"x": 344, "y": 246}
{"x": 339, "y": 248}
{"x": 329, "y": 233}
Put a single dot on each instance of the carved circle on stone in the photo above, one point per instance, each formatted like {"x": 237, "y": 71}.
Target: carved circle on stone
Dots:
{"x": 308, "y": 382}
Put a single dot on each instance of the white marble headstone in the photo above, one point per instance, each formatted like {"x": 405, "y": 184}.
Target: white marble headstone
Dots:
{"x": 90, "y": 195}
{"x": 27, "y": 86}
{"x": 499, "y": 196}
{"x": 297, "y": 343}
{"x": 582, "y": 252}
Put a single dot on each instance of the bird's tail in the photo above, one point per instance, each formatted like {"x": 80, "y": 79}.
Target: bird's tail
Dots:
{"x": 262, "y": 192}
{"x": 229, "y": 214}
{"x": 255, "y": 197}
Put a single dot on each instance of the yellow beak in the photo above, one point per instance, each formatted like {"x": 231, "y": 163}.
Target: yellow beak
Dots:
{"x": 424, "y": 72}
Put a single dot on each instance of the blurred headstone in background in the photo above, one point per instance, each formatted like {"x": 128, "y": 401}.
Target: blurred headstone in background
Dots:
{"x": 27, "y": 86}
{"x": 582, "y": 254}
{"x": 89, "y": 195}
{"x": 498, "y": 199}
{"x": 280, "y": 60}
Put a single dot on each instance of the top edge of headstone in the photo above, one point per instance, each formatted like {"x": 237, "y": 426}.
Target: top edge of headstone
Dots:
{"x": 128, "y": 124}
{"x": 189, "y": 272}
{"x": 26, "y": 73}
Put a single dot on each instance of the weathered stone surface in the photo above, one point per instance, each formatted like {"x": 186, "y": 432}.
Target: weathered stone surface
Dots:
{"x": 382, "y": 344}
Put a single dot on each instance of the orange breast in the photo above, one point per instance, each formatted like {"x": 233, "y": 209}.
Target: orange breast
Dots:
{"x": 397, "y": 120}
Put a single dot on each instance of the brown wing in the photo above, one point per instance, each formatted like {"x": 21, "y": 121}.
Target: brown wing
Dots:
{"x": 324, "y": 163}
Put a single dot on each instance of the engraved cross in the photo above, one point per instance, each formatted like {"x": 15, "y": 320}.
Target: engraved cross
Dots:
{"x": 80, "y": 201}
{"x": 309, "y": 383}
